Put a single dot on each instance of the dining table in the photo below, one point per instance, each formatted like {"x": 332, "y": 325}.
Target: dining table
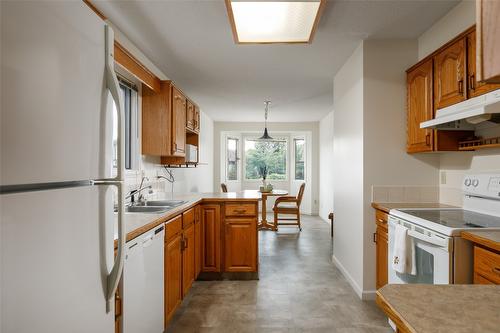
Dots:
{"x": 264, "y": 224}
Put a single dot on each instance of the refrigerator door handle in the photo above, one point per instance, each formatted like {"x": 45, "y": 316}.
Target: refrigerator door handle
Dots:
{"x": 112, "y": 85}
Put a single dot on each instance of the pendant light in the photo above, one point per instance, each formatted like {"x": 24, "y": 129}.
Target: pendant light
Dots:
{"x": 265, "y": 136}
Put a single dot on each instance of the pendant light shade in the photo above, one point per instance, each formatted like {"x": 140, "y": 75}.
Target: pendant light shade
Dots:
{"x": 266, "y": 136}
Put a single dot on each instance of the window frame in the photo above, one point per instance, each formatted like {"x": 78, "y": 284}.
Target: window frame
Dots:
{"x": 285, "y": 139}
{"x": 238, "y": 158}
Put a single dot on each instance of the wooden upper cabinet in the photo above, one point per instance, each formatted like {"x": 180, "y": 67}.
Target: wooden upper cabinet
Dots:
{"x": 196, "y": 119}
{"x": 474, "y": 87}
{"x": 488, "y": 40}
{"x": 179, "y": 104}
{"x": 419, "y": 108}
{"x": 450, "y": 75}
{"x": 190, "y": 116}
{"x": 211, "y": 245}
{"x": 156, "y": 120}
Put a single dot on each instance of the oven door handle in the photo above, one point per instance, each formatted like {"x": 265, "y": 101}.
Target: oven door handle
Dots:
{"x": 444, "y": 243}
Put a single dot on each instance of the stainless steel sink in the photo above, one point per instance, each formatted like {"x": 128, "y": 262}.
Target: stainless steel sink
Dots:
{"x": 165, "y": 203}
{"x": 146, "y": 209}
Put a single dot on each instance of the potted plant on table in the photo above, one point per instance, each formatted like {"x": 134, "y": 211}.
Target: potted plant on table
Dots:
{"x": 263, "y": 170}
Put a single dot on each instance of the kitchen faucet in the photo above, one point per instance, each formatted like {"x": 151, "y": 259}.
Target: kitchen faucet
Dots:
{"x": 132, "y": 193}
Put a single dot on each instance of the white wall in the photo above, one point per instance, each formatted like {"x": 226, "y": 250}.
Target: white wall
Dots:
{"x": 348, "y": 169}
{"x": 453, "y": 166}
{"x": 325, "y": 166}
{"x": 457, "y": 20}
{"x": 310, "y": 201}
{"x": 385, "y": 159}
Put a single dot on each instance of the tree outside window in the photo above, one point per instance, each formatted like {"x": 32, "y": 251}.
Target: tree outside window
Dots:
{"x": 270, "y": 153}
{"x": 232, "y": 159}
{"x": 299, "y": 158}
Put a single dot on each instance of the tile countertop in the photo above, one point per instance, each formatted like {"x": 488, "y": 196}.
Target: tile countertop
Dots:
{"x": 387, "y": 206}
{"x": 139, "y": 223}
{"x": 422, "y": 308}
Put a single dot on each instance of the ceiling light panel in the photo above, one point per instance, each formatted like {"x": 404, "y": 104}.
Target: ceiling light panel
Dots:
{"x": 274, "y": 21}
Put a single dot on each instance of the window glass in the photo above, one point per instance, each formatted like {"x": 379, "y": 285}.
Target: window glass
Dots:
{"x": 129, "y": 97}
{"x": 232, "y": 159}
{"x": 271, "y": 154}
{"x": 299, "y": 145}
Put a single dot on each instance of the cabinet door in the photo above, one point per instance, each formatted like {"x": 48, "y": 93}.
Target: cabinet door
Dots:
{"x": 188, "y": 259}
{"x": 381, "y": 254}
{"x": 474, "y": 87}
{"x": 196, "y": 118}
{"x": 488, "y": 41}
{"x": 240, "y": 245}
{"x": 419, "y": 108}
{"x": 173, "y": 276}
{"x": 197, "y": 243}
{"x": 210, "y": 219}
{"x": 178, "y": 123}
{"x": 449, "y": 75}
{"x": 190, "y": 116}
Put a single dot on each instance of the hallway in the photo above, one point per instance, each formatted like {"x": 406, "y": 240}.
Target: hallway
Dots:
{"x": 300, "y": 290}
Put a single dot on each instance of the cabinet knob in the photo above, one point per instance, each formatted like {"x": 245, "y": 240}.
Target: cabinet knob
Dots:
{"x": 460, "y": 86}
{"x": 472, "y": 82}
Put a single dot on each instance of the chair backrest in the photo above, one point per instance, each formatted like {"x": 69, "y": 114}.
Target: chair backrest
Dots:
{"x": 301, "y": 193}
{"x": 224, "y": 187}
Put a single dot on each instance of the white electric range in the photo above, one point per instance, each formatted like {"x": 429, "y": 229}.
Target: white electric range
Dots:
{"x": 442, "y": 256}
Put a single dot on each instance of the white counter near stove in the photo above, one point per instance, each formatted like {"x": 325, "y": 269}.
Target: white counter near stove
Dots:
{"x": 442, "y": 256}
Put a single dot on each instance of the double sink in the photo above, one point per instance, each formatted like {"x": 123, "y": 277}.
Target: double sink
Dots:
{"x": 154, "y": 206}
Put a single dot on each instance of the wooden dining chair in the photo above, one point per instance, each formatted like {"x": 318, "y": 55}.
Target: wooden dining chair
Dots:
{"x": 289, "y": 205}
{"x": 223, "y": 187}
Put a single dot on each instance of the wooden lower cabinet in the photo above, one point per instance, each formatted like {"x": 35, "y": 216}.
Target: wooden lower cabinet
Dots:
{"x": 486, "y": 266}
{"x": 211, "y": 237}
{"x": 173, "y": 276}
{"x": 381, "y": 249}
{"x": 188, "y": 258}
{"x": 240, "y": 245}
{"x": 197, "y": 242}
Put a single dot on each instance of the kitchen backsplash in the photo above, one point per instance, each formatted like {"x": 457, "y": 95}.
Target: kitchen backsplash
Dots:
{"x": 413, "y": 194}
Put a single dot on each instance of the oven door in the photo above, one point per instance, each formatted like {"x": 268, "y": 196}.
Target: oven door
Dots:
{"x": 433, "y": 255}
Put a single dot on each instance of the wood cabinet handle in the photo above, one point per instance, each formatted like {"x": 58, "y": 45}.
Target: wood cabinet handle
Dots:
{"x": 185, "y": 243}
{"x": 496, "y": 270}
{"x": 375, "y": 237}
{"x": 472, "y": 82}
{"x": 239, "y": 211}
{"x": 460, "y": 86}
{"x": 428, "y": 139}
{"x": 382, "y": 221}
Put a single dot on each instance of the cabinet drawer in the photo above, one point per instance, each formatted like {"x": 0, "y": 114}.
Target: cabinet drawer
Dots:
{"x": 241, "y": 209}
{"x": 173, "y": 226}
{"x": 381, "y": 218}
{"x": 188, "y": 217}
{"x": 487, "y": 264}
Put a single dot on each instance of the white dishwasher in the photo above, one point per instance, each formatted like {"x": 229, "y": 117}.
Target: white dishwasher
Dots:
{"x": 143, "y": 283}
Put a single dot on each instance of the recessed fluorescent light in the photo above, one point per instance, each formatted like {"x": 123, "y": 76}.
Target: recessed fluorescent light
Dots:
{"x": 274, "y": 21}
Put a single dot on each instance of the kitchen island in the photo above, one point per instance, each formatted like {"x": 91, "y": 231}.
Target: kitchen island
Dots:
{"x": 421, "y": 308}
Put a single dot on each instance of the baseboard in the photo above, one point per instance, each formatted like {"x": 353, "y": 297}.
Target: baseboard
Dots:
{"x": 348, "y": 277}
{"x": 365, "y": 295}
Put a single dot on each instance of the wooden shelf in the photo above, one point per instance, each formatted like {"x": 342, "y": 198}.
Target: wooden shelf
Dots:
{"x": 480, "y": 143}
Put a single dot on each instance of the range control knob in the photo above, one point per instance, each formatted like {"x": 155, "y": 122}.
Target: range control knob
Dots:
{"x": 475, "y": 182}
{"x": 467, "y": 182}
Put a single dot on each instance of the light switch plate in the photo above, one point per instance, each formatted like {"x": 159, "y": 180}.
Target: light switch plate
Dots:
{"x": 443, "y": 178}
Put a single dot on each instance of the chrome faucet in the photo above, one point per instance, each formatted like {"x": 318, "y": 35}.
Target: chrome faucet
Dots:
{"x": 132, "y": 193}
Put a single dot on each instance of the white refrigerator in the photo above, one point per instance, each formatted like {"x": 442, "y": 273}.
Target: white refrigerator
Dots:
{"x": 58, "y": 187}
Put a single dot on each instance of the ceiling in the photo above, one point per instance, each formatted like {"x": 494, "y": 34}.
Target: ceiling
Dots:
{"x": 192, "y": 43}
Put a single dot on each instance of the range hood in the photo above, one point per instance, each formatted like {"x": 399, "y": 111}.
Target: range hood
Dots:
{"x": 465, "y": 115}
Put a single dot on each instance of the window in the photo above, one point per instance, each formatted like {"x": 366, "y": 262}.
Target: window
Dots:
{"x": 129, "y": 95}
{"x": 299, "y": 145}
{"x": 272, "y": 154}
{"x": 232, "y": 159}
